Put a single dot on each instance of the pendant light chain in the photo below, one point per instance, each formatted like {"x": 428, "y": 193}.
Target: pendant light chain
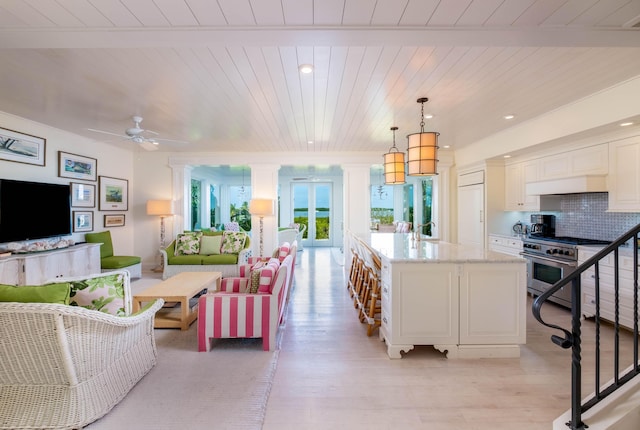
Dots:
{"x": 422, "y": 117}
{"x": 394, "y": 137}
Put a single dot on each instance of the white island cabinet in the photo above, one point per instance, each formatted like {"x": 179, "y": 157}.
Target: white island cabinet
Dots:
{"x": 461, "y": 299}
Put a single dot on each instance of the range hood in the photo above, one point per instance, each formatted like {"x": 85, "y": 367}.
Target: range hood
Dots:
{"x": 573, "y": 185}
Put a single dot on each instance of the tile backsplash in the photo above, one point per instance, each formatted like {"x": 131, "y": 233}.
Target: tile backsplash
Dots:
{"x": 586, "y": 216}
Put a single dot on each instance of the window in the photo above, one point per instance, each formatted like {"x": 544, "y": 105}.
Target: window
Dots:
{"x": 239, "y": 197}
{"x": 426, "y": 188}
{"x": 196, "y": 201}
{"x": 382, "y": 211}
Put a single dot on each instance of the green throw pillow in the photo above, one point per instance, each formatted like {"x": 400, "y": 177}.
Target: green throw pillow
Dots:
{"x": 232, "y": 242}
{"x": 49, "y": 293}
{"x": 188, "y": 243}
{"x": 210, "y": 245}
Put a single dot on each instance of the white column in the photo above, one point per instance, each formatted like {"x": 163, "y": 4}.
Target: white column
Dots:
{"x": 264, "y": 185}
{"x": 357, "y": 204}
{"x": 181, "y": 177}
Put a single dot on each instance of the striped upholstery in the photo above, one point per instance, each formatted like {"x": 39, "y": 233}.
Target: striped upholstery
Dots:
{"x": 234, "y": 314}
{"x": 234, "y": 285}
{"x": 283, "y": 250}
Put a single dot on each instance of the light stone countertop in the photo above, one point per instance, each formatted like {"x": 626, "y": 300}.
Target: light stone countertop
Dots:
{"x": 398, "y": 247}
{"x": 624, "y": 251}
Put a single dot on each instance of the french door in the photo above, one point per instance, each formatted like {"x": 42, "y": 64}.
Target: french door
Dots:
{"x": 312, "y": 206}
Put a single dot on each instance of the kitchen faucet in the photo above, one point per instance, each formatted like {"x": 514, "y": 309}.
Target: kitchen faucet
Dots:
{"x": 417, "y": 232}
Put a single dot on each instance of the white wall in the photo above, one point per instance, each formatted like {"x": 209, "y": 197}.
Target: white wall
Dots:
{"x": 112, "y": 161}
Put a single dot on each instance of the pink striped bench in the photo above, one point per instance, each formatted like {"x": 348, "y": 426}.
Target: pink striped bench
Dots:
{"x": 234, "y": 312}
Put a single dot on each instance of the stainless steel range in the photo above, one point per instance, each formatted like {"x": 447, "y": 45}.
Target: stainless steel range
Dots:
{"x": 550, "y": 259}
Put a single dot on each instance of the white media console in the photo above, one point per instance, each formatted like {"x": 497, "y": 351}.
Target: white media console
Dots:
{"x": 40, "y": 267}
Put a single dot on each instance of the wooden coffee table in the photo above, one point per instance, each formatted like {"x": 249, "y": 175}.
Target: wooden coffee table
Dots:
{"x": 178, "y": 289}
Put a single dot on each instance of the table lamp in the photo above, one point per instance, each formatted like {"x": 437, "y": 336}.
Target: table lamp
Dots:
{"x": 261, "y": 208}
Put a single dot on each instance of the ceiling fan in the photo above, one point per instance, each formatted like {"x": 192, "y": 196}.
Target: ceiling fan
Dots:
{"x": 137, "y": 134}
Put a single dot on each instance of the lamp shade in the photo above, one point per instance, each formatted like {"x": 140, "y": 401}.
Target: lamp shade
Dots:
{"x": 394, "y": 168}
{"x": 422, "y": 154}
{"x": 261, "y": 207}
{"x": 160, "y": 207}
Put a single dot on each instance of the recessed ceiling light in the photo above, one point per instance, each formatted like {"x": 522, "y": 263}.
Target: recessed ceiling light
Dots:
{"x": 447, "y": 146}
{"x": 507, "y": 156}
{"x": 305, "y": 68}
{"x": 509, "y": 116}
{"x": 310, "y": 142}
{"x": 624, "y": 124}
{"x": 428, "y": 116}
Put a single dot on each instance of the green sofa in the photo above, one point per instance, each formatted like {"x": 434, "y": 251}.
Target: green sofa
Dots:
{"x": 227, "y": 264}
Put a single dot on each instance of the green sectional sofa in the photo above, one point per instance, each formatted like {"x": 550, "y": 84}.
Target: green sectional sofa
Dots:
{"x": 209, "y": 254}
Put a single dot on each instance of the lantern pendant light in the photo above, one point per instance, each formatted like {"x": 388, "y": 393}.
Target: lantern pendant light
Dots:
{"x": 394, "y": 164}
{"x": 423, "y": 149}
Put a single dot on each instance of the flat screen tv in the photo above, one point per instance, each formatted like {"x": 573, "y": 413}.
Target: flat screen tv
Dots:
{"x": 33, "y": 210}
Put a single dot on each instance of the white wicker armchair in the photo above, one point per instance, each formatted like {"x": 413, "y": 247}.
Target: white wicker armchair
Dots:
{"x": 63, "y": 367}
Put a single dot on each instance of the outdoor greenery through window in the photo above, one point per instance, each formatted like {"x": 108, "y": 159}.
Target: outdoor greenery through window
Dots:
{"x": 387, "y": 206}
{"x": 427, "y": 204}
{"x": 239, "y": 206}
{"x": 382, "y": 211}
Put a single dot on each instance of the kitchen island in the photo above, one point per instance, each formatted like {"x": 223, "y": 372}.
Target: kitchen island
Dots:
{"x": 461, "y": 299}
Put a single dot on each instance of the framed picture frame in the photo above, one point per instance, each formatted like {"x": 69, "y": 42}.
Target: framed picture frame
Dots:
{"x": 82, "y": 221}
{"x": 114, "y": 220}
{"x": 22, "y": 148}
{"x": 76, "y": 166}
{"x": 114, "y": 194}
{"x": 83, "y": 195}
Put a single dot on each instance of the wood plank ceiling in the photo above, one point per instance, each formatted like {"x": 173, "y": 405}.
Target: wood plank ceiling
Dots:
{"x": 224, "y": 76}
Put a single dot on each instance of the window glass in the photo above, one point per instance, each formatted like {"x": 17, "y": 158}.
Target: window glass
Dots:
{"x": 196, "y": 201}
{"x": 239, "y": 197}
{"x": 427, "y": 204}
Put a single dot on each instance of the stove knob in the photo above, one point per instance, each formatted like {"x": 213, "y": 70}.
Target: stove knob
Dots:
{"x": 548, "y": 251}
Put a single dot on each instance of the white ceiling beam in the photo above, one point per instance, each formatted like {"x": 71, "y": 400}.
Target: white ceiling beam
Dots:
{"x": 295, "y": 36}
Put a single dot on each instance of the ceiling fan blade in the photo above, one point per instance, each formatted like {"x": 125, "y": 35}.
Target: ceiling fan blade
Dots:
{"x": 149, "y": 146}
{"x": 108, "y": 132}
{"x": 150, "y": 131}
{"x": 172, "y": 142}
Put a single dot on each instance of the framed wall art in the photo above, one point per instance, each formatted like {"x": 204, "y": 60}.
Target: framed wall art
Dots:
{"x": 114, "y": 220}
{"x": 82, "y": 221}
{"x": 77, "y": 166}
{"x": 83, "y": 195}
{"x": 114, "y": 194}
{"x": 22, "y": 148}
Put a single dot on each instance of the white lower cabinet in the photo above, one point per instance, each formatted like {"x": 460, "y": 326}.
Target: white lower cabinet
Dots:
{"x": 466, "y": 309}
{"x": 607, "y": 287}
{"x": 39, "y": 268}
{"x": 505, "y": 244}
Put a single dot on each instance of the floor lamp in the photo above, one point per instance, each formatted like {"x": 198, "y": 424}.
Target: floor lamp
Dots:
{"x": 161, "y": 208}
{"x": 261, "y": 208}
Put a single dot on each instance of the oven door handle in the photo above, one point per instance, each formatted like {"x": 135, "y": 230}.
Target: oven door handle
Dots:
{"x": 553, "y": 260}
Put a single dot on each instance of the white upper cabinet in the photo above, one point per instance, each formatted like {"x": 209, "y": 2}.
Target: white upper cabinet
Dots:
{"x": 590, "y": 160}
{"x": 516, "y": 177}
{"x": 623, "y": 181}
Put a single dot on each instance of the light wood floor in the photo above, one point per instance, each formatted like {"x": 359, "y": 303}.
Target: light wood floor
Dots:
{"x": 330, "y": 375}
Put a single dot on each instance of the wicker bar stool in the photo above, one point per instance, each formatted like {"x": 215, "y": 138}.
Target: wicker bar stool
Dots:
{"x": 372, "y": 305}
{"x": 362, "y": 281}
{"x": 370, "y": 293}
{"x": 356, "y": 268}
